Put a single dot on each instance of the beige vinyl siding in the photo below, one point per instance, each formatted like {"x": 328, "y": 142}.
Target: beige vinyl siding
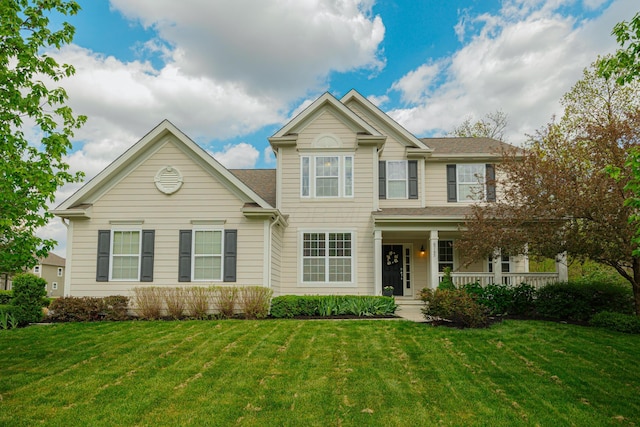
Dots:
{"x": 276, "y": 258}
{"x": 436, "y": 183}
{"x": 327, "y": 214}
{"x": 327, "y": 123}
{"x": 135, "y": 198}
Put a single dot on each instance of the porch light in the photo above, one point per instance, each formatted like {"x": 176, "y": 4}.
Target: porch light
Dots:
{"x": 422, "y": 250}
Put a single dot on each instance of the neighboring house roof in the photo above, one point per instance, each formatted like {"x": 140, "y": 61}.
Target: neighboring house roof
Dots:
{"x": 53, "y": 259}
{"x": 79, "y": 204}
{"x": 467, "y": 146}
{"x": 262, "y": 181}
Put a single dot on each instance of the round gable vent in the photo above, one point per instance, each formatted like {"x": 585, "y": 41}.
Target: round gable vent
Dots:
{"x": 168, "y": 180}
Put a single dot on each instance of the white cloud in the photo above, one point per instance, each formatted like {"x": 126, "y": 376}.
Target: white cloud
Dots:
{"x": 239, "y": 156}
{"x": 268, "y": 156}
{"x": 520, "y": 61}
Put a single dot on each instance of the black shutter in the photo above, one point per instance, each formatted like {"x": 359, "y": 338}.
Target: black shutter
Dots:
{"x": 491, "y": 183}
{"x": 451, "y": 184}
{"x": 184, "y": 256}
{"x": 382, "y": 179}
{"x": 148, "y": 242}
{"x": 230, "y": 254}
{"x": 413, "y": 179}
{"x": 104, "y": 247}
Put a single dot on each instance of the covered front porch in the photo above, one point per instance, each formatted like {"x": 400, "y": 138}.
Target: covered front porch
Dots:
{"x": 412, "y": 253}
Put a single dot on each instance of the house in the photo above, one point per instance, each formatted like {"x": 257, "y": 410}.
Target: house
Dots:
{"x": 52, "y": 269}
{"x": 355, "y": 203}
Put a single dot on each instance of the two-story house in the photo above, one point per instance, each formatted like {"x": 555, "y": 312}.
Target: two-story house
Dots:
{"x": 355, "y": 203}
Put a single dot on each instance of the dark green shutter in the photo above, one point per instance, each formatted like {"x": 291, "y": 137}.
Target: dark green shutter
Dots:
{"x": 148, "y": 243}
{"x": 184, "y": 256}
{"x": 451, "y": 184}
{"x": 413, "y": 179}
{"x": 230, "y": 254}
{"x": 104, "y": 248}
{"x": 491, "y": 183}
{"x": 382, "y": 179}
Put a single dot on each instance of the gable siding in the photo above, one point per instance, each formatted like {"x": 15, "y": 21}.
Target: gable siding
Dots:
{"x": 201, "y": 197}
{"x": 326, "y": 123}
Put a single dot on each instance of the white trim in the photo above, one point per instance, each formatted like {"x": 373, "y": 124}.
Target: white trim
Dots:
{"x": 69, "y": 260}
{"x": 111, "y": 242}
{"x": 326, "y": 283}
{"x": 312, "y": 159}
{"x": 196, "y": 229}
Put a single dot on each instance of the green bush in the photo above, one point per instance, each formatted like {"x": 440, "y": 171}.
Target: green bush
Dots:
{"x": 502, "y": 299}
{"x": 89, "y": 309}
{"x": 6, "y": 297}
{"x": 454, "y": 305}
{"x": 620, "y": 322}
{"x": 28, "y": 291}
{"x": 7, "y": 319}
{"x": 288, "y": 306}
{"x": 580, "y": 300}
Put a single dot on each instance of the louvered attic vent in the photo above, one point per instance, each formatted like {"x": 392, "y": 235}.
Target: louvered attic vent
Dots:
{"x": 168, "y": 180}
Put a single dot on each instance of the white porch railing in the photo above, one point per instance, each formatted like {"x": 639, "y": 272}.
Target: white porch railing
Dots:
{"x": 536, "y": 280}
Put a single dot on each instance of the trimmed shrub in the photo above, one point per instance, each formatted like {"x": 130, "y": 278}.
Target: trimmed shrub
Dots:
{"x": 28, "y": 291}
{"x": 502, "y": 299}
{"x": 148, "y": 301}
{"x": 224, "y": 298}
{"x": 447, "y": 281}
{"x": 6, "y": 297}
{"x": 89, "y": 309}
{"x": 454, "y": 305}
{"x": 198, "y": 302}
{"x": 176, "y": 301}
{"x": 580, "y": 300}
{"x": 255, "y": 301}
{"x": 620, "y": 322}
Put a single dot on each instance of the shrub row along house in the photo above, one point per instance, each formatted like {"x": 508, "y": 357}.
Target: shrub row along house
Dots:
{"x": 356, "y": 203}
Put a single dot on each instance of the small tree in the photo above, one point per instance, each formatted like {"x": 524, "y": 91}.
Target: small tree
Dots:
{"x": 28, "y": 291}
{"x": 492, "y": 125}
{"x": 30, "y": 172}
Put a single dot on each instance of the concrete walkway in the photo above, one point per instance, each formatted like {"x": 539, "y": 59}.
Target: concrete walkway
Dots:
{"x": 410, "y": 309}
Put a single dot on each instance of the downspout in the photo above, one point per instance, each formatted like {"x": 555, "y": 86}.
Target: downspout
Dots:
{"x": 277, "y": 220}
{"x": 67, "y": 264}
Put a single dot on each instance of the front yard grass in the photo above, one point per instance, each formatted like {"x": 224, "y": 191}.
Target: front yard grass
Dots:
{"x": 317, "y": 373}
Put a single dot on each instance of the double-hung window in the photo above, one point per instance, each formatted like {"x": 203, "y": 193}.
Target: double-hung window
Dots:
{"x": 207, "y": 255}
{"x": 398, "y": 179}
{"x": 326, "y": 176}
{"x": 125, "y": 255}
{"x": 471, "y": 182}
{"x": 327, "y": 257}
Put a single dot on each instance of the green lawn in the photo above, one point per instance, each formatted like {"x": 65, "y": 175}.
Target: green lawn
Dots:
{"x": 324, "y": 373}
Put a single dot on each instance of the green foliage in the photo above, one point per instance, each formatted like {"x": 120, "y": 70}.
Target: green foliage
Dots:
{"x": 454, "y": 305}
{"x": 447, "y": 281}
{"x": 32, "y": 171}
{"x": 500, "y": 299}
{"x": 289, "y": 306}
{"x": 89, "y": 309}
{"x": 28, "y": 292}
{"x": 625, "y": 65}
{"x": 620, "y": 322}
{"x": 7, "y": 319}
{"x": 6, "y": 297}
{"x": 255, "y": 301}
{"x": 580, "y": 300}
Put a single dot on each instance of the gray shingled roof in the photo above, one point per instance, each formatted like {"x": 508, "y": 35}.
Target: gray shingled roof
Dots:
{"x": 53, "y": 259}
{"x": 261, "y": 181}
{"x": 458, "y": 145}
{"x": 431, "y": 211}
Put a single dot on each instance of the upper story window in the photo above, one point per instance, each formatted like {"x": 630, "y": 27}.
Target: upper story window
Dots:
{"x": 60, "y": 270}
{"x": 36, "y": 269}
{"x": 471, "y": 182}
{"x": 398, "y": 179}
{"x": 326, "y": 176}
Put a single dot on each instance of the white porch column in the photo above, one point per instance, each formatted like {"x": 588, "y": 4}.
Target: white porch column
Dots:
{"x": 433, "y": 259}
{"x": 561, "y": 267}
{"x": 497, "y": 266}
{"x": 377, "y": 262}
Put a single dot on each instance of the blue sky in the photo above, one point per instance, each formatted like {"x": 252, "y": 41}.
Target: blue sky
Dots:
{"x": 231, "y": 73}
